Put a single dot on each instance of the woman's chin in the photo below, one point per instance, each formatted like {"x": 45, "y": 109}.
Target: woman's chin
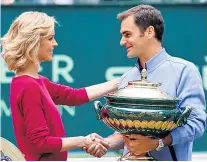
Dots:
{"x": 49, "y": 59}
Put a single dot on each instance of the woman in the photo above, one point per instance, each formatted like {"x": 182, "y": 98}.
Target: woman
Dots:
{"x": 37, "y": 122}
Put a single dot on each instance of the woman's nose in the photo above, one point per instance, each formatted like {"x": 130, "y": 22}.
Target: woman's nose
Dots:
{"x": 55, "y": 43}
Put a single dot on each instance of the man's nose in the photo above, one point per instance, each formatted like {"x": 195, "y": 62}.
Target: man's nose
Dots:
{"x": 122, "y": 42}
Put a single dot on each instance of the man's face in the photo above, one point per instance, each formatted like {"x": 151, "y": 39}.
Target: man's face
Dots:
{"x": 132, "y": 38}
{"x": 47, "y": 46}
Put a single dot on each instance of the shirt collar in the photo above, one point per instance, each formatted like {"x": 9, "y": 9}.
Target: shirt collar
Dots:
{"x": 154, "y": 62}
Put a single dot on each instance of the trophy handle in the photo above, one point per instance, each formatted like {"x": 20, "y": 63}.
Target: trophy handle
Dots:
{"x": 185, "y": 114}
{"x": 98, "y": 107}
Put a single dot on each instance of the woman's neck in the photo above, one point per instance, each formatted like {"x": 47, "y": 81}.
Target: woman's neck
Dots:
{"x": 31, "y": 70}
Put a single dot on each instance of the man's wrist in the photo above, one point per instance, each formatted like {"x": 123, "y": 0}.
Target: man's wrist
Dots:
{"x": 115, "y": 142}
{"x": 161, "y": 143}
{"x": 167, "y": 140}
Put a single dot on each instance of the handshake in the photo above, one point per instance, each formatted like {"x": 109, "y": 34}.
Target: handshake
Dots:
{"x": 95, "y": 145}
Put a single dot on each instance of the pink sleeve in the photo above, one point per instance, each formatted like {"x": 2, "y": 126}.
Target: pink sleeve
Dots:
{"x": 37, "y": 131}
{"x": 65, "y": 95}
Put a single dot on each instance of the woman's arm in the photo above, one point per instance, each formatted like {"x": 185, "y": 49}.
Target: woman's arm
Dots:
{"x": 99, "y": 90}
{"x": 92, "y": 140}
{"x": 35, "y": 125}
{"x": 65, "y": 95}
{"x": 83, "y": 142}
{"x": 70, "y": 143}
{"x": 38, "y": 133}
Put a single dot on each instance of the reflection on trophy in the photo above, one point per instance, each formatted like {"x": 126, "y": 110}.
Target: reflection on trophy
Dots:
{"x": 141, "y": 108}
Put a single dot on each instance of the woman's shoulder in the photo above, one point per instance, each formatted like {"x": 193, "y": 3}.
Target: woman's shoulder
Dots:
{"x": 25, "y": 81}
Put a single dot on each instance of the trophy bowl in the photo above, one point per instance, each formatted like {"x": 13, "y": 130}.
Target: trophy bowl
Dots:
{"x": 141, "y": 108}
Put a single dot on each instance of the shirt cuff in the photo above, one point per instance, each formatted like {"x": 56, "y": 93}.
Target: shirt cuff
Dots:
{"x": 56, "y": 143}
{"x": 85, "y": 95}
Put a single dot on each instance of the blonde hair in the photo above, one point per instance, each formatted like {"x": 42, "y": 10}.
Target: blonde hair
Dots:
{"x": 20, "y": 45}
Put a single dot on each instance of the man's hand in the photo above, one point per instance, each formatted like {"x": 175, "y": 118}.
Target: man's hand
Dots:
{"x": 139, "y": 144}
{"x": 98, "y": 147}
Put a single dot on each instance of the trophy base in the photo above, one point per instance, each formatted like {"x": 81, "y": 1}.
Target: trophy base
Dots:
{"x": 131, "y": 157}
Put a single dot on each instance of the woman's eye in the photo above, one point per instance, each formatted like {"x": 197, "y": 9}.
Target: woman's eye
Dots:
{"x": 51, "y": 38}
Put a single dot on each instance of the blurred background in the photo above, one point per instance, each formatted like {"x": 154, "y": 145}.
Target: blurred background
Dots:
{"x": 89, "y": 52}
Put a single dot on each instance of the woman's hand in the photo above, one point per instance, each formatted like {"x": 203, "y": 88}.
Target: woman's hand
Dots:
{"x": 96, "y": 145}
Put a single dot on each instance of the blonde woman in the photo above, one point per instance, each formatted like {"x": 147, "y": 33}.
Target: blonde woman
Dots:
{"x": 38, "y": 126}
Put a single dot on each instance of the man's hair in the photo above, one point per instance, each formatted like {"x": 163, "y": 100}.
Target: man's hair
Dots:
{"x": 20, "y": 45}
{"x": 145, "y": 16}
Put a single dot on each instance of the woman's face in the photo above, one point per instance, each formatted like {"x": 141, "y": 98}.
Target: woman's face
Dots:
{"x": 47, "y": 46}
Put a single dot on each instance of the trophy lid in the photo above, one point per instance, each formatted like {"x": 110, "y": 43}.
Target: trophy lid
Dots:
{"x": 141, "y": 89}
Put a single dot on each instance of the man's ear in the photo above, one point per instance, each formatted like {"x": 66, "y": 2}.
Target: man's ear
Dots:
{"x": 150, "y": 32}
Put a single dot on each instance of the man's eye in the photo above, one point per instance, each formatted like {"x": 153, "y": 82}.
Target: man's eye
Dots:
{"x": 127, "y": 35}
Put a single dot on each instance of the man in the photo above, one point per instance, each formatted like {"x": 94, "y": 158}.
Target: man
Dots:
{"x": 142, "y": 30}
